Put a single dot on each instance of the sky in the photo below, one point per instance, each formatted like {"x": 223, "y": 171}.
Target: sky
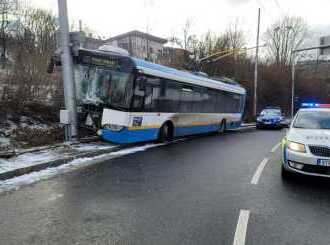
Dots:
{"x": 166, "y": 18}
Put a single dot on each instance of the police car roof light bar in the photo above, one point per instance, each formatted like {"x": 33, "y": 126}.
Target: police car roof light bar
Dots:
{"x": 315, "y": 105}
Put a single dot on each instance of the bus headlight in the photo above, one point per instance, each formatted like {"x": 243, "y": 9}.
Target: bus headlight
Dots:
{"x": 293, "y": 146}
{"x": 113, "y": 127}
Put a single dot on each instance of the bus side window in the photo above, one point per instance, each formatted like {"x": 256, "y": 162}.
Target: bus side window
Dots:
{"x": 210, "y": 101}
{"x": 221, "y": 102}
{"x": 152, "y": 93}
{"x": 170, "y": 97}
{"x": 198, "y": 100}
{"x": 139, "y": 93}
{"x": 186, "y": 99}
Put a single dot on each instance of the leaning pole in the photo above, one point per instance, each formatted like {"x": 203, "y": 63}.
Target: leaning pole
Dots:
{"x": 67, "y": 69}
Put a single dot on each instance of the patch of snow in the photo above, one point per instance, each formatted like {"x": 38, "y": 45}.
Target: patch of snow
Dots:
{"x": 134, "y": 149}
{"x": 4, "y": 141}
{"x": 17, "y": 182}
{"x": 12, "y": 125}
{"x": 26, "y": 122}
{"x": 38, "y": 126}
{"x": 26, "y": 160}
{"x": 54, "y": 197}
{"x": 91, "y": 147}
{"x": 247, "y": 124}
{"x": 33, "y": 157}
{"x": 24, "y": 119}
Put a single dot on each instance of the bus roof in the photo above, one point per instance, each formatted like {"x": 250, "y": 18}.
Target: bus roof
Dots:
{"x": 153, "y": 69}
{"x": 150, "y": 68}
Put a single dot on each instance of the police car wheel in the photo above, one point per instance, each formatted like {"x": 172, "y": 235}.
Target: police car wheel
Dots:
{"x": 285, "y": 174}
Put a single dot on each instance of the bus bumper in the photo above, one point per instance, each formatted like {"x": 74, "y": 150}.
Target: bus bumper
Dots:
{"x": 126, "y": 136}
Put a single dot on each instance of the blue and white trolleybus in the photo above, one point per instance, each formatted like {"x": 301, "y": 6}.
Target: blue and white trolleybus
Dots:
{"x": 141, "y": 101}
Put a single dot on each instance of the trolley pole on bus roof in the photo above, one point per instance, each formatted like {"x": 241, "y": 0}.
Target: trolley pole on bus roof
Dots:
{"x": 255, "y": 99}
{"x": 67, "y": 70}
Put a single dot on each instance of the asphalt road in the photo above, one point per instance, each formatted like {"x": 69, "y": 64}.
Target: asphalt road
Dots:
{"x": 189, "y": 192}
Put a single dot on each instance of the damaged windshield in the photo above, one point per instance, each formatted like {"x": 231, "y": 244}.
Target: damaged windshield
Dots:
{"x": 98, "y": 85}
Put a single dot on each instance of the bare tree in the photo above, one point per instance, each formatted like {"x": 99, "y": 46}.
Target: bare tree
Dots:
{"x": 34, "y": 45}
{"x": 283, "y": 37}
{"x": 7, "y": 9}
{"x": 235, "y": 36}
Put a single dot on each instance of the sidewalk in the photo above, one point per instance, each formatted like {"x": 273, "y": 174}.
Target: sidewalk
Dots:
{"x": 52, "y": 156}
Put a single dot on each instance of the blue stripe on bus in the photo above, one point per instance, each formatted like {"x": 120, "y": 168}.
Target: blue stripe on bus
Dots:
{"x": 126, "y": 136}
{"x": 141, "y": 135}
{"x": 182, "y": 131}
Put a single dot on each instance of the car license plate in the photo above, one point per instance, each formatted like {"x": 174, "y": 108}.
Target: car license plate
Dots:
{"x": 323, "y": 162}
{"x": 268, "y": 123}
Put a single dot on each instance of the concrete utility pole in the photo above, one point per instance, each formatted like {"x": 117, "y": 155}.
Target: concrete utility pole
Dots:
{"x": 67, "y": 69}
{"x": 255, "y": 100}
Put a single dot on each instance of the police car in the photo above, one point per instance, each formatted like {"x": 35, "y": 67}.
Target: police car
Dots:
{"x": 270, "y": 117}
{"x": 306, "y": 147}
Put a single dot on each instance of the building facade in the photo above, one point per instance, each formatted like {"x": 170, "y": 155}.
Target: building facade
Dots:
{"x": 139, "y": 44}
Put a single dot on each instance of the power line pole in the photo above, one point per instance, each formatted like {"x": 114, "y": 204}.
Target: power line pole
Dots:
{"x": 255, "y": 100}
{"x": 67, "y": 69}
{"x": 293, "y": 83}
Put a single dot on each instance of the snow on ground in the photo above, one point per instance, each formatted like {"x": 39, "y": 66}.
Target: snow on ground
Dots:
{"x": 134, "y": 149}
{"x": 92, "y": 146}
{"x": 12, "y": 125}
{"x": 37, "y": 157}
{"x": 31, "y": 123}
{"x": 248, "y": 124}
{"x": 17, "y": 182}
{"x": 4, "y": 141}
{"x": 26, "y": 160}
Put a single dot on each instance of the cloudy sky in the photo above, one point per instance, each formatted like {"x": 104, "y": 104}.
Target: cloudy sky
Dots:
{"x": 166, "y": 18}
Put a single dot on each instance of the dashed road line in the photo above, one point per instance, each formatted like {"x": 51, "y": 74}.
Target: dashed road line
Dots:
{"x": 241, "y": 228}
{"x": 258, "y": 173}
{"x": 275, "y": 147}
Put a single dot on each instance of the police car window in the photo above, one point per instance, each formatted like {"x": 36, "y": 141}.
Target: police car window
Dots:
{"x": 313, "y": 120}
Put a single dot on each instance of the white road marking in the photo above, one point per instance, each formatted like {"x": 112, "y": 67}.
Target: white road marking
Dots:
{"x": 54, "y": 197}
{"x": 258, "y": 173}
{"x": 241, "y": 228}
{"x": 275, "y": 147}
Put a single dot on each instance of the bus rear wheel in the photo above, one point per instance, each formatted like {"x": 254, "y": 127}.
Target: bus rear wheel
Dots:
{"x": 165, "y": 133}
{"x": 222, "y": 128}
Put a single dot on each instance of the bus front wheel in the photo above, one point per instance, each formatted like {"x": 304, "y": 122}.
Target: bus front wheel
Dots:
{"x": 165, "y": 133}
